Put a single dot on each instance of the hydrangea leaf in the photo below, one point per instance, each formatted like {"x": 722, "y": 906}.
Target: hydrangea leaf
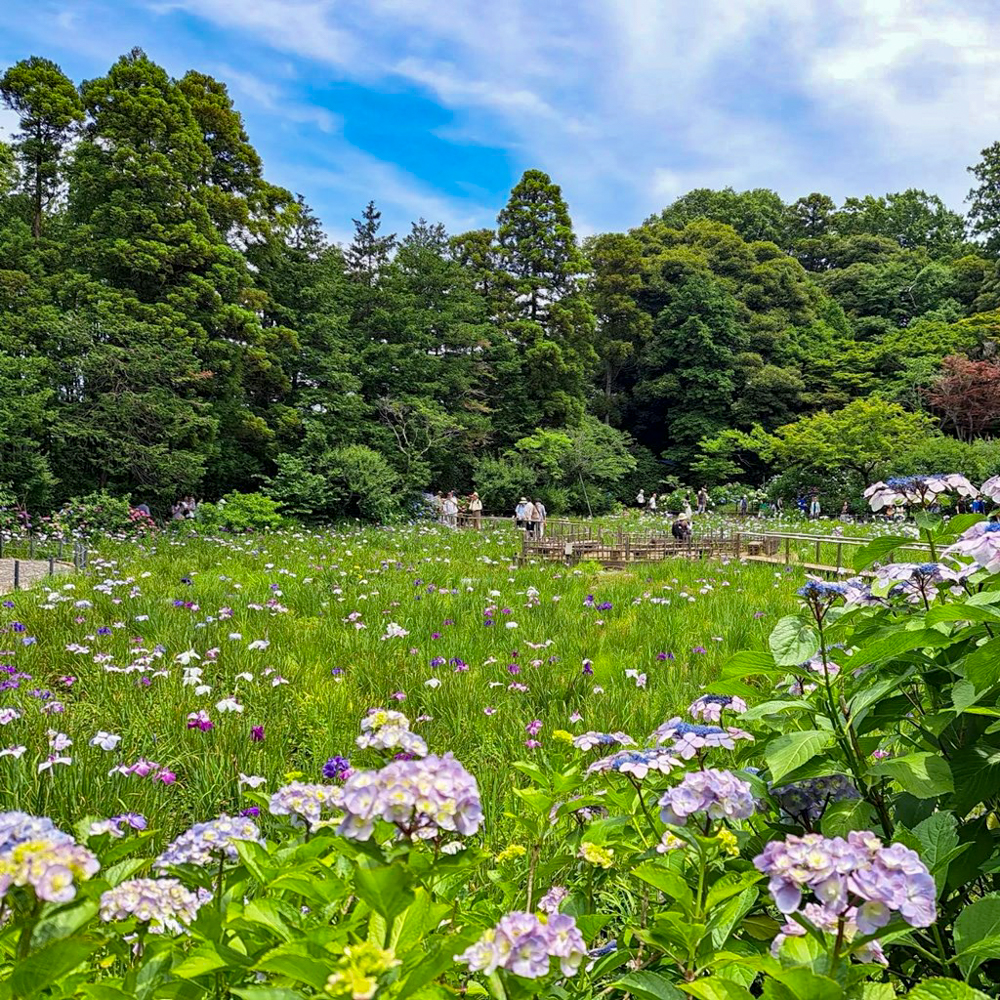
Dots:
{"x": 924, "y": 775}
{"x": 793, "y": 641}
{"x": 975, "y": 926}
{"x": 788, "y": 753}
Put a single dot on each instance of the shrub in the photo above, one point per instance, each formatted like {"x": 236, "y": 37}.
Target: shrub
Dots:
{"x": 100, "y": 513}
{"x": 353, "y": 481}
{"x": 239, "y": 512}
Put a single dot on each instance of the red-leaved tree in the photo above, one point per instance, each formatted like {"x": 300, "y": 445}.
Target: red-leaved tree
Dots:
{"x": 966, "y": 395}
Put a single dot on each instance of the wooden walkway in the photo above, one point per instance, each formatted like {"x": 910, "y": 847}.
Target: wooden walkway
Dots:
{"x": 829, "y": 555}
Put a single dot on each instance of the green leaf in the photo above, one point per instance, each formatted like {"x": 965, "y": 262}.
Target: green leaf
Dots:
{"x": 649, "y": 986}
{"x": 899, "y": 642}
{"x": 840, "y": 818}
{"x": 292, "y": 961}
{"x": 209, "y": 957}
{"x": 923, "y": 775}
{"x": 730, "y": 884}
{"x": 785, "y": 754}
{"x": 963, "y": 695}
{"x": 265, "y": 993}
{"x": 960, "y": 523}
{"x": 385, "y": 889}
{"x": 975, "y": 923}
{"x": 938, "y": 836}
{"x": 944, "y": 989}
{"x": 267, "y": 913}
{"x": 878, "y": 549}
{"x": 715, "y": 988}
{"x": 804, "y": 984}
{"x": 961, "y": 613}
{"x": 749, "y": 663}
{"x": 48, "y": 965}
{"x": 793, "y": 641}
{"x": 668, "y": 882}
{"x": 982, "y": 665}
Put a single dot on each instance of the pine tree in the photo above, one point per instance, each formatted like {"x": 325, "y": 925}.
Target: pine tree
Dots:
{"x": 49, "y": 111}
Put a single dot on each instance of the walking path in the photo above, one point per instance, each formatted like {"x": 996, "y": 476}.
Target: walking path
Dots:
{"x": 30, "y": 571}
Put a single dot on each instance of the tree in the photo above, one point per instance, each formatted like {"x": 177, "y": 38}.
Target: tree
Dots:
{"x": 623, "y": 326}
{"x": 535, "y": 232}
{"x": 967, "y": 395}
{"x": 140, "y": 206}
{"x": 234, "y": 185}
{"x": 859, "y": 437}
{"x": 369, "y": 252}
{"x": 553, "y": 322}
{"x": 911, "y": 218}
{"x": 984, "y": 198}
{"x": 686, "y": 374}
{"x": 49, "y": 111}
{"x": 759, "y": 214}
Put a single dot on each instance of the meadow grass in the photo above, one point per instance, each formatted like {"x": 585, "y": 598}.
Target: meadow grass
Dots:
{"x": 501, "y": 645}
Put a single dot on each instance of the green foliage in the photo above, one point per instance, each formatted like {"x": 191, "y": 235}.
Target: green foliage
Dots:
{"x": 100, "y": 514}
{"x": 241, "y": 512}
{"x": 171, "y": 322}
{"x": 860, "y": 437}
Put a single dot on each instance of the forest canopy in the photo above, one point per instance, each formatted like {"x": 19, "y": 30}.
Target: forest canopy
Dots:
{"x": 171, "y": 322}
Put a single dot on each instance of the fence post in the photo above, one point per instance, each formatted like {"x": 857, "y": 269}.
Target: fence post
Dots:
{"x": 52, "y": 566}
{"x": 60, "y": 548}
{"x": 840, "y": 551}
{"x": 788, "y": 551}
{"x": 739, "y": 539}
{"x": 17, "y": 574}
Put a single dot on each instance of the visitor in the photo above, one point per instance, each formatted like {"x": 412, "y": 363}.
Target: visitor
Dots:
{"x": 439, "y": 506}
{"x": 652, "y": 503}
{"x": 450, "y": 510}
{"x": 702, "y": 500}
{"x": 530, "y": 517}
{"x": 519, "y": 511}
{"x": 814, "y": 506}
{"x": 779, "y": 505}
{"x": 476, "y": 510}
{"x": 679, "y": 528}
{"x": 688, "y": 513}
{"x": 845, "y": 511}
{"x": 640, "y": 498}
{"x": 743, "y": 505}
{"x": 142, "y": 508}
{"x": 540, "y": 515}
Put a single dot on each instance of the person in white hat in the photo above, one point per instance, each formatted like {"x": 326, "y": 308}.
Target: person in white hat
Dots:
{"x": 519, "y": 511}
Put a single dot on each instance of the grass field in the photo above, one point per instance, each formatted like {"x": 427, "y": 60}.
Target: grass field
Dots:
{"x": 292, "y": 633}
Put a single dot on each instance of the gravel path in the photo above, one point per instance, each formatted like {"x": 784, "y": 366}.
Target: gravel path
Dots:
{"x": 31, "y": 571}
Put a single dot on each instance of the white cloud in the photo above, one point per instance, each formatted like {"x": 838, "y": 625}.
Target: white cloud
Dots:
{"x": 628, "y": 103}
{"x": 271, "y": 97}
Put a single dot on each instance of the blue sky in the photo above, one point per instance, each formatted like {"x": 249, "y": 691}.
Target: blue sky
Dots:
{"x": 435, "y": 107}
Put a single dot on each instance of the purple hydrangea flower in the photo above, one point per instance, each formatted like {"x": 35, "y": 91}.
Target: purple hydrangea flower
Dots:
{"x": 858, "y": 881}
{"x": 715, "y": 794}
{"x": 162, "y": 903}
{"x": 524, "y": 944}
{"x": 305, "y": 803}
{"x": 637, "y": 763}
{"x": 424, "y": 798}
{"x": 687, "y": 738}
{"x": 709, "y": 707}
{"x": 205, "y": 843}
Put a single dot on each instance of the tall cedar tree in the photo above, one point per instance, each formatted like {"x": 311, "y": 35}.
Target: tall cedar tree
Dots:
{"x": 49, "y": 112}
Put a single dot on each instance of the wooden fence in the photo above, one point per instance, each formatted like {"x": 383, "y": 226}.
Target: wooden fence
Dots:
{"x": 832, "y": 554}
